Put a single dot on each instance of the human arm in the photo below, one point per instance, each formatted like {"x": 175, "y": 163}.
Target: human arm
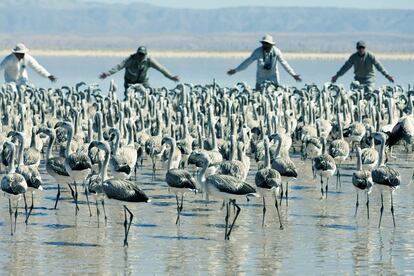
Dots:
{"x": 378, "y": 65}
{"x": 244, "y": 64}
{"x": 160, "y": 68}
{"x": 37, "y": 67}
{"x": 286, "y": 66}
{"x": 114, "y": 70}
{"x": 3, "y": 64}
{"x": 32, "y": 62}
{"x": 348, "y": 64}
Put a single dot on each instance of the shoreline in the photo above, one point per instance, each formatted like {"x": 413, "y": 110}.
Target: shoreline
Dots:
{"x": 201, "y": 54}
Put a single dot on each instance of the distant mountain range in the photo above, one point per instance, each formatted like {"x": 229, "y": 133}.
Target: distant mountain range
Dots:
{"x": 52, "y": 22}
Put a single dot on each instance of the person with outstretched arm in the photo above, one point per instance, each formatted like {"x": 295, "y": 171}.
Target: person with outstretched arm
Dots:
{"x": 363, "y": 62}
{"x": 136, "y": 69}
{"x": 15, "y": 66}
{"x": 267, "y": 57}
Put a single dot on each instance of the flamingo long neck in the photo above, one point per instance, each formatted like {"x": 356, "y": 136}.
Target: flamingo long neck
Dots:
{"x": 201, "y": 178}
{"x": 116, "y": 144}
{"x": 341, "y": 133}
{"x": 99, "y": 123}
{"x": 12, "y": 167}
{"x": 52, "y": 139}
{"x": 104, "y": 168}
{"x": 172, "y": 151}
{"x": 33, "y": 138}
{"x": 130, "y": 135}
{"x": 68, "y": 150}
{"x": 359, "y": 159}
{"x": 232, "y": 147}
{"x": 20, "y": 152}
{"x": 381, "y": 154}
{"x": 213, "y": 135}
{"x": 267, "y": 155}
{"x": 279, "y": 146}
{"x": 90, "y": 131}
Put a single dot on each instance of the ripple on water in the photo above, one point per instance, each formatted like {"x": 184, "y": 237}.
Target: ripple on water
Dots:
{"x": 339, "y": 227}
{"x": 58, "y": 226}
{"x": 179, "y": 238}
{"x": 162, "y": 203}
{"x": 145, "y": 225}
{"x": 162, "y": 196}
{"x": 75, "y": 244}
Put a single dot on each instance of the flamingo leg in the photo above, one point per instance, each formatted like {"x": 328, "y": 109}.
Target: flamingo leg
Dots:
{"x": 97, "y": 211}
{"x": 235, "y": 218}
{"x": 103, "y": 207}
{"x": 15, "y": 216}
{"x": 278, "y": 213}
{"x": 131, "y": 217}
{"x": 382, "y": 210}
{"x": 125, "y": 227}
{"x": 76, "y": 199}
{"x": 321, "y": 186}
{"x": 31, "y": 209}
{"x": 392, "y": 207}
{"x": 367, "y": 206}
{"x": 11, "y": 217}
{"x": 87, "y": 200}
{"x": 264, "y": 212}
{"x": 57, "y": 197}
{"x": 178, "y": 210}
{"x": 356, "y": 205}
{"x": 226, "y": 220}
{"x": 286, "y": 192}
{"x": 25, "y": 204}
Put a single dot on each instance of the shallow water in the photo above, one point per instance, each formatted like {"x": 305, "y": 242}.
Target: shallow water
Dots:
{"x": 320, "y": 236}
{"x": 71, "y": 70}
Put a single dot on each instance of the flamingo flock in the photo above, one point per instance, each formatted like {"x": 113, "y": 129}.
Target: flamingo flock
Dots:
{"x": 206, "y": 138}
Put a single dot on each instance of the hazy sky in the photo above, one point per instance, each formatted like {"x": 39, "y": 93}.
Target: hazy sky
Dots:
{"x": 366, "y": 4}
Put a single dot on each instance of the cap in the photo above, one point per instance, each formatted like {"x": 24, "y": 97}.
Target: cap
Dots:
{"x": 268, "y": 39}
{"x": 20, "y": 48}
{"x": 361, "y": 44}
{"x": 142, "y": 50}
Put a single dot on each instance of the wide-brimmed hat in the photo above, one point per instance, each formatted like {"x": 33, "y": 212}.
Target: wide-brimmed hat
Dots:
{"x": 268, "y": 39}
{"x": 20, "y": 48}
{"x": 142, "y": 50}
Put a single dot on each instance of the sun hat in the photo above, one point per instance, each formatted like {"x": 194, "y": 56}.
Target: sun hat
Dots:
{"x": 20, "y": 48}
{"x": 142, "y": 50}
{"x": 361, "y": 44}
{"x": 268, "y": 39}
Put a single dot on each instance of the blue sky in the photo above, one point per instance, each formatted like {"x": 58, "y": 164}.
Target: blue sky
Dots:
{"x": 365, "y": 4}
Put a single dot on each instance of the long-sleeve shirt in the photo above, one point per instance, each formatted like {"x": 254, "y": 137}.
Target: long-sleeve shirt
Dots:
{"x": 16, "y": 70}
{"x": 137, "y": 71}
{"x": 266, "y": 58}
{"x": 363, "y": 66}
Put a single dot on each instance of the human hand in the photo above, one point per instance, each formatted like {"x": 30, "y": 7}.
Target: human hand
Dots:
{"x": 52, "y": 78}
{"x": 334, "y": 78}
{"x": 390, "y": 78}
{"x": 103, "y": 76}
{"x": 231, "y": 72}
{"x": 297, "y": 77}
{"x": 175, "y": 78}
